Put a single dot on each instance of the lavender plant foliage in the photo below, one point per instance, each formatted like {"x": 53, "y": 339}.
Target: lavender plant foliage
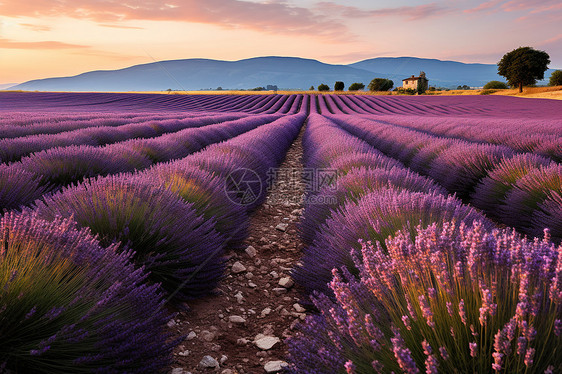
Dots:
{"x": 549, "y": 215}
{"x": 527, "y": 194}
{"x": 18, "y": 187}
{"x": 207, "y": 194}
{"x": 180, "y": 248}
{"x": 70, "y": 305}
{"x": 460, "y": 167}
{"x": 453, "y": 299}
{"x": 491, "y": 191}
{"x": 372, "y": 159}
{"x": 63, "y": 166}
{"x": 357, "y": 183}
{"x": 374, "y": 217}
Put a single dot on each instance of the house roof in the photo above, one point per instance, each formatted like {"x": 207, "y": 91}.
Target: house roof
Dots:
{"x": 413, "y": 78}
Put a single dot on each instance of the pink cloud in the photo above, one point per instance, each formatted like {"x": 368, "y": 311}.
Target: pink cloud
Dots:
{"x": 13, "y": 44}
{"x": 411, "y": 13}
{"x": 271, "y": 17}
{"x": 485, "y": 6}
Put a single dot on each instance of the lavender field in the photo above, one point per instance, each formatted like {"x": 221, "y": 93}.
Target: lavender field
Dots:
{"x": 431, "y": 227}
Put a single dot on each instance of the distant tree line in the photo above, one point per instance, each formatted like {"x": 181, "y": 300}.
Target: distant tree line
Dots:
{"x": 377, "y": 84}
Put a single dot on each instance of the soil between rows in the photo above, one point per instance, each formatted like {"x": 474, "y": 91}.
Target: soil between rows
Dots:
{"x": 265, "y": 307}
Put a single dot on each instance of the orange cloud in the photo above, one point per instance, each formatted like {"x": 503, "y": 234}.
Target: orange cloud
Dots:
{"x": 13, "y": 44}
{"x": 34, "y": 27}
{"x": 271, "y": 17}
{"x": 121, "y": 26}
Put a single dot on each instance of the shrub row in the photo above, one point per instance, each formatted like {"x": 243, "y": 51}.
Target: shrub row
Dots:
{"x": 522, "y": 188}
{"x": 14, "y": 149}
{"x": 58, "y": 167}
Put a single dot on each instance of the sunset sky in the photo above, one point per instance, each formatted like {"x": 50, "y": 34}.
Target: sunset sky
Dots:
{"x": 45, "y": 38}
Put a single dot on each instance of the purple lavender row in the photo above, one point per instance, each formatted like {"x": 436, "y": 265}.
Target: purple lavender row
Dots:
{"x": 71, "y": 305}
{"x": 26, "y": 180}
{"x": 542, "y": 137}
{"x": 14, "y": 149}
{"x": 372, "y": 198}
{"x": 178, "y": 217}
{"x": 16, "y": 124}
{"x": 447, "y": 299}
{"x": 516, "y": 189}
{"x": 128, "y": 102}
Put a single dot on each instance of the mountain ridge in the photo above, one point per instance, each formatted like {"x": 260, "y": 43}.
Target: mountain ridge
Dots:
{"x": 282, "y": 71}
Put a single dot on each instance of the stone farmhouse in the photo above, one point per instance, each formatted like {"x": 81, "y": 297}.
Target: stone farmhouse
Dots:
{"x": 412, "y": 82}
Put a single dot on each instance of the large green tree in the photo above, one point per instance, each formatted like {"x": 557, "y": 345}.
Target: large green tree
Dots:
{"x": 523, "y": 66}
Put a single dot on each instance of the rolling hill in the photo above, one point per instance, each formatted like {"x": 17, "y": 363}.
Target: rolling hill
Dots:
{"x": 284, "y": 72}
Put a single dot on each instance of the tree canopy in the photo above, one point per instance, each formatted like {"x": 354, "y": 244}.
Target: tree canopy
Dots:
{"x": 356, "y": 86}
{"x": 323, "y": 87}
{"x": 380, "y": 84}
{"x": 523, "y": 66}
{"x": 495, "y": 85}
{"x": 339, "y": 86}
{"x": 556, "y": 78}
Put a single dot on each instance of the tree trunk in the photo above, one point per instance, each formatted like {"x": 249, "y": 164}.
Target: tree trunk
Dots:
{"x": 520, "y": 87}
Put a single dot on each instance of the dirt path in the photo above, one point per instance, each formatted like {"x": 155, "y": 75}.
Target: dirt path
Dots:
{"x": 256, "y": 303}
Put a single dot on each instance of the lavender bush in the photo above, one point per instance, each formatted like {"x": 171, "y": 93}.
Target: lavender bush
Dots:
{"x": 180, "y": 248}
{"x": 375, "y": 217}
{"x": 527, "y": 194}
{"x": 491, "y": 191}
{"x": 207, "y": 194}
{"x": 357, "y": 183}
{"x": 454, "y": 299}
{"x": 69, "y": 305}
{"x": 17, "y": 187}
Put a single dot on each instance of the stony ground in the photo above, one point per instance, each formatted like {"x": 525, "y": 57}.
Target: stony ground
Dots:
{"x": 242, "y": 329}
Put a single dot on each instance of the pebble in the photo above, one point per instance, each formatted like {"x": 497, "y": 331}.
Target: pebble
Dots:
{"x": 275, "y": 366}
{"x": 191, "y": 335}
{"x": 236, "y": 319}
{"x": 227, "y": 371}
{"x": 238, "y": 268}
{"x": 266, "y": 342}
{"x": 179, "y": 371}
{"x": 266, "y": 311}
{"x": 207, "y": 336}
{"x": 242, "y": 341}
{"x": 299, "y": 308}
{"x": 171, "y": 323}
{"x": 239, "y": 297}
{"x": 282, "y": 227}
{"x": 279, "y": 290}
{"x": 184, "y": 353}
{"x": 223, "y": 359}
{"x": 286, "y": 282}
{"x": 209, "y": 362}
{"x": 251, "y": 251}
